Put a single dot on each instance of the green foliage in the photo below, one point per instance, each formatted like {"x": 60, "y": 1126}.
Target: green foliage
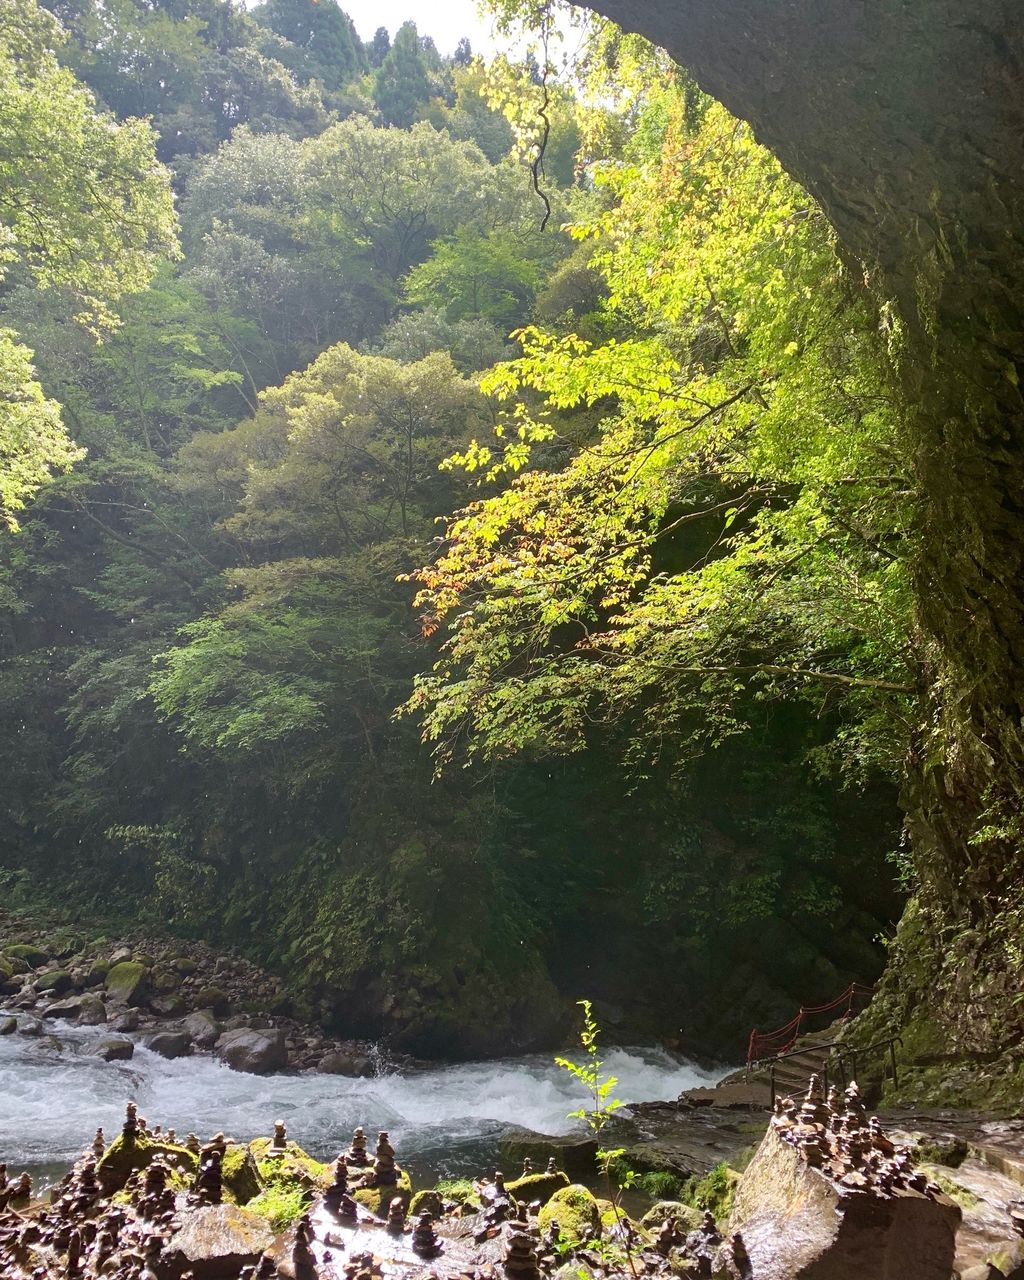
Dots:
{"x": 736, "y": 526}
{"x": 92, "y": 219}
{"x": 714, "y": 1191}
{"x": 401, "y": 85}
{"x": 280, "y": 1205}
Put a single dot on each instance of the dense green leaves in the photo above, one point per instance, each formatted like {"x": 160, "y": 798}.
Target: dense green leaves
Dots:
{"x": 737, "y": 522}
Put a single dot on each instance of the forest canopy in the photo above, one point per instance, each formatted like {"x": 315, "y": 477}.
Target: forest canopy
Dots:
{"x": 521, "y": 408}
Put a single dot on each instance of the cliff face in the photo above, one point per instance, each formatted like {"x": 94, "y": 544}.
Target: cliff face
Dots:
{"x": 906, "y": 121}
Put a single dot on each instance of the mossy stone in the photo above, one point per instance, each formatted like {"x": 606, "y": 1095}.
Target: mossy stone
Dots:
{"x": 377, "y": 1199}
{"x": 128, "y": 982}
{"x": 537, "y": 1186}
{"x": 123, "y": 1158}
{"x": 658, "y": 1214}
{"x": 429, "y": 1200}
{"x": 32, "y": 956}
{"x": 240, "y": 1176}
{"x": 574, "y": 1209}
{"x": 57, "y": 980}
{"x": 213, "y": 998}
{"x": 295, "y": 1168}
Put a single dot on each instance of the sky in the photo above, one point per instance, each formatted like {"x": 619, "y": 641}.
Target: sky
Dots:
{"x": 445, "y": 20}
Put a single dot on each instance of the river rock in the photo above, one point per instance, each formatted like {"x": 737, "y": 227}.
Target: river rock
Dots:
{"x": 577, "y": 1155}
{"x": 213, "y": 998}
{"x": 657, "y": 1215}
{"x": 168, "y": 1006}
{"x": 127, "y": 983}
{"x": 8, "y": 1025}
{"x": 345, "y": 1064}
{"x": 792, "y": 1222}
{"x": 203, "y": 1027}
{"x": 56, "y": 981}
{"x": 169, "y": 1044}
{"x": 259, "y": 1052}
{"x": 30, "y": 1027}
{"x": 96, "y": 973}
{"x": 32, "y": 956}
{"x": 219, "y": 1240}
{"x": 126, "y": 1020}
{"x": 87, "y": 1010}
{"x": 116, "y": 1049}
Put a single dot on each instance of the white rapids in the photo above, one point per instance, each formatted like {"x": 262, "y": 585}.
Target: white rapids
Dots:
{"x": 446, "y": 1119}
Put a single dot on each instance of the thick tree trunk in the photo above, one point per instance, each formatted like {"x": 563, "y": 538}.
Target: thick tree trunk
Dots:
{"x": 905, "y": 119}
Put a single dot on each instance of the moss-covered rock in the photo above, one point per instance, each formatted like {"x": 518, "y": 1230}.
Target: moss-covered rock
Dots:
{"x": 213, "y": 998}
{"x": 537, "y": 1186}
{"x": 429, "y": 1200}
{"x": 574, "y": 1209}
{"x": 34, "y": 957}
{"x": 280, "y": 1206}
{"x": 294, "y": 1168}
{"x": 56, "y": 981}
{"x": 714, "y": 1191}
{"x": 377, "y": 1199}
{"x": 658, "y": 1214}
{"x": 128, "y": 983}
{"x": 240, "y": 1176}
{"x": 123, "y": 1158}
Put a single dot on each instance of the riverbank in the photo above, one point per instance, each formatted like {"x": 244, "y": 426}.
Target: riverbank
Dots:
{"x": 176, "y": 996}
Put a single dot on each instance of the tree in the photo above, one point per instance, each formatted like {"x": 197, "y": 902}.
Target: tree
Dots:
{"x": 401, "y": 86}
{"x": 958, "y": 379}
{"x": 735, "y": 527}
{"x": 379, "y": 47}
{"x": 83, "y": 207}
{"x": 325, "y": 32}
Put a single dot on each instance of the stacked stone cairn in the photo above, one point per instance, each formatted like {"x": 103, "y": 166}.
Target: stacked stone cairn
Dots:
{"x": 845, "y": 1144}
{"x": 140, "y": 1230}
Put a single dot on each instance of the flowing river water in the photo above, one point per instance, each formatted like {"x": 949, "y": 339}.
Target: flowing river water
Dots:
{"x": 445, "y": 1121}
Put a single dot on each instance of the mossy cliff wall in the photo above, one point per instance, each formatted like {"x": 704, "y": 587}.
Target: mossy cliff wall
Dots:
{"x": 906, "y": 120}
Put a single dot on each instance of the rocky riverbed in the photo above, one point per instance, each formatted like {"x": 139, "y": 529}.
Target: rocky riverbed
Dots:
{"x": 176, "y": 997}
{"x": 828, "y": 1194}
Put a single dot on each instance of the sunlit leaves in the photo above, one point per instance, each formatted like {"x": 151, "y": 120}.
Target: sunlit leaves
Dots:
{"x": 738, "y": 523}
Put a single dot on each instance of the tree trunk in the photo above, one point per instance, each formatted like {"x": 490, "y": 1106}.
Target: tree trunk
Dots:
{"x": 905, "y": 119}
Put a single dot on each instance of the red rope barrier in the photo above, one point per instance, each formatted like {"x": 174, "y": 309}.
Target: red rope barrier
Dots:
{"x": 783, "y": 1038}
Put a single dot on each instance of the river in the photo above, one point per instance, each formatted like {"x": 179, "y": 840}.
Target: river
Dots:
{"x": 444, "y": 1121}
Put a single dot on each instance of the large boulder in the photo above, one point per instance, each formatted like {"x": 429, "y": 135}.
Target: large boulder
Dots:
{"x": 203, "y": 1027}
{"x": 127, "y": 983}
{"x": 32, "y": 956}
{"x": 339, "y": 1063}
{"x": 8, "y": 1025}
{"x": 56, "y": 982}
{"x": 792, "y": 1221}
{"x": 575, "y": 1210}
{"x": 259, "y": 1052}
{"x": 169, "y": 1044}
{"x": 114, "y": 1049}
{"x": 87, "y": 1010}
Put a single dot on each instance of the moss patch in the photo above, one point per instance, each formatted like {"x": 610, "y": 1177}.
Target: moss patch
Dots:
{"x": 429, "y": 1200}
{"x": 377, "y": 1199}
{"x": 537, "y": 1186}
{"x": 574, "y": 1209}
{"x": 715, "y": 1191}
{"x": 280, "y": 1205}
{"x": 295, "y": 1168}
{"x": 121, "y": 1159}
{"x": 240, "y": 1175}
